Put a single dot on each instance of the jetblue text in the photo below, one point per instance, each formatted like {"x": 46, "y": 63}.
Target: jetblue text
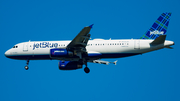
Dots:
{"x": 45, "y": 45}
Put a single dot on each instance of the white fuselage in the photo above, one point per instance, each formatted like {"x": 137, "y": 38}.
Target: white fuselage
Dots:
{"x": 98, "y": 48}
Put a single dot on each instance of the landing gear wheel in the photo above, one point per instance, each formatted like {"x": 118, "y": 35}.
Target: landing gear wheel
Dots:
{"x": 86, "y": 70}
{"x": 26, "y": 67}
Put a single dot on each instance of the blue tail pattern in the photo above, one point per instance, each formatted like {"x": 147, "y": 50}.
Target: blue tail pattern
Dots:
{"x": 158, "y": 28}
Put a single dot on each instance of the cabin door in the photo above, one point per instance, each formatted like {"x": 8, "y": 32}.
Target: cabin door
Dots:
{"x": 25, "y": 46}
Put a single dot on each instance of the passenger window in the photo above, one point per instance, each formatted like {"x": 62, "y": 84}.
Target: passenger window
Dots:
{"x": 13, "y": 46}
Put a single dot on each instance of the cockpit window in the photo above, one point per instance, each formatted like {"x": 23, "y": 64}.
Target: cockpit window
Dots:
{"x": 15, "y": 46}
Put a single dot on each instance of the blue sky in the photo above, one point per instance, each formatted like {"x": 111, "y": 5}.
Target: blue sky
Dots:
{"x": 151, "y": 76}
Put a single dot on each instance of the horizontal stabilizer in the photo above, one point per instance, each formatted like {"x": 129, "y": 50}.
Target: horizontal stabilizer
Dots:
{"x": 159, "y": 40}
{"x": 169, "y": 47}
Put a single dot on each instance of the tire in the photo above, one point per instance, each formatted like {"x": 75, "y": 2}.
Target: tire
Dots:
{"x": 86, "y": 70}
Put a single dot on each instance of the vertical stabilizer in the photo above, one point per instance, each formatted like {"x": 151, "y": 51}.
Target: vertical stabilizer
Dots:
{"x": 158, "y": 28}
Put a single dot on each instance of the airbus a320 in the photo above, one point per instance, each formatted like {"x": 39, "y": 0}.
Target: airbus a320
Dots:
{"x": 81, "y": 50}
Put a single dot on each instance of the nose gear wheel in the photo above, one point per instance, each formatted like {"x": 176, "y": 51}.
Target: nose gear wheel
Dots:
{"x": 26, "y": 67}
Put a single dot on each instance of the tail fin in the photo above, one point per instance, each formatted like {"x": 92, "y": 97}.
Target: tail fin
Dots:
{"x": 158, "y": 28}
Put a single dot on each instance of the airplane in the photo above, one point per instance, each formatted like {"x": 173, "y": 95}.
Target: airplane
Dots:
{"x": 81, "y": 50}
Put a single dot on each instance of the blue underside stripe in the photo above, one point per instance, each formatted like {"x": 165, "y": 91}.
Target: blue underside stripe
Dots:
{"x": 44, "y": 57}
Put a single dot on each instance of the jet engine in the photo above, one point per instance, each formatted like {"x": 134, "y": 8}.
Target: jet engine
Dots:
{"x": 69, "y": 65}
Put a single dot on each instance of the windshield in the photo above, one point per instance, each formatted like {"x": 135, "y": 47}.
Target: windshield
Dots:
{"x": 15, "y": 46}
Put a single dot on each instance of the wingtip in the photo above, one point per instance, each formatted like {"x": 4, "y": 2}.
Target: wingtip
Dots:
{"x": 91, "y": 25}
{"x": 115, "y": 62}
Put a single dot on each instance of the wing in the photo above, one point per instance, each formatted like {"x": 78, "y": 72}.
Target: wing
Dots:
{"x": 80, "y": 41}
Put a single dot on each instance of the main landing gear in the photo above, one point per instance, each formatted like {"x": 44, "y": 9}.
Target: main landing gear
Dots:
{"x": 81, "y": 62}
{"x": 86, "y": 69}
{"x": 26, "y": 67}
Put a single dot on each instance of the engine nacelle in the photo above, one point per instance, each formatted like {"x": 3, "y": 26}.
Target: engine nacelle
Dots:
{"x": 58, "y": 52}
{"x": 69, "y": 65}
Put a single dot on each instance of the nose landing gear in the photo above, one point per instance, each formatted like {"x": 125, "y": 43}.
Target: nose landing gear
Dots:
{"x": 26, "y": 67}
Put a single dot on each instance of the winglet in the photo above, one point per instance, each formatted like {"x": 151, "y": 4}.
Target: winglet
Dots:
{"x": 91, "y": 25}
{"x": 115, "y": 62}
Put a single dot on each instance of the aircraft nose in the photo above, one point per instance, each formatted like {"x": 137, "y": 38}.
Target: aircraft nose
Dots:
{"x": 7, "y": 53}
